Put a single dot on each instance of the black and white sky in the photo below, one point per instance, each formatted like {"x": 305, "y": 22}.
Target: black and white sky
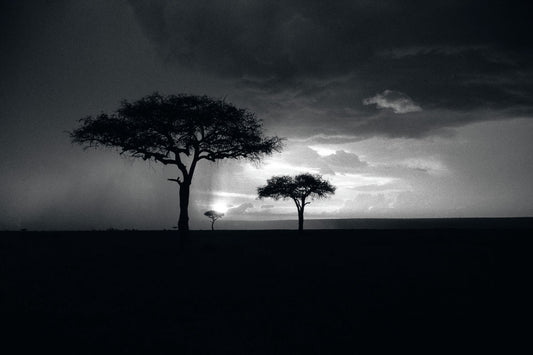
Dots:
{"x": 411, "y": 108}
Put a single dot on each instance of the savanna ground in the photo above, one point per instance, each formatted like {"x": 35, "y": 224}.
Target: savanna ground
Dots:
{"x": 266, "y": 292}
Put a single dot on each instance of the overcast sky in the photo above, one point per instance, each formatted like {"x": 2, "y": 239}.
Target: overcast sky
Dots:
{"x": 411, "y": 108}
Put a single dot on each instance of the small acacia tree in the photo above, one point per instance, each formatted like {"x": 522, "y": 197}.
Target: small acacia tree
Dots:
{"x": 299, "y": 188}
{"x": 178, "y": 130}
{"x": 213, "y": 216}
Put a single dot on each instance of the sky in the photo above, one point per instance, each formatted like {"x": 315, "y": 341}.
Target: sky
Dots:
{"x": 410, "y": 108}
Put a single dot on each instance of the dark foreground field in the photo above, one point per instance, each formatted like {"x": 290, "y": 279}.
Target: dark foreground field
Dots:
{"x": 261, "y": 292}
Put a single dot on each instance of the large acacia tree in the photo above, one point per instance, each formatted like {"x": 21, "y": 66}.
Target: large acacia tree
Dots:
{"x": 179, "y": 130}
{"x": 300, "y": 189}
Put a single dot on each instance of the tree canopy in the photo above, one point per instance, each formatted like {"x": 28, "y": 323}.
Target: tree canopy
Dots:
{"x": 180, "y": 130}
{"x": 163, "y": 127}
{"x": 299, "y": 188}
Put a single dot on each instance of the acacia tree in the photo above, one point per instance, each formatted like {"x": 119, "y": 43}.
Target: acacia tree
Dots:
{"x": 213, "y": 216}
{"x": 299, "y": 188}
{"x": 178, "y": 130}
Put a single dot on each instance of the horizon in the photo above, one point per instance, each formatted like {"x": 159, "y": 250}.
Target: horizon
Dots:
{"x": 412, "y": 111}
{"x": 468, "y": 223}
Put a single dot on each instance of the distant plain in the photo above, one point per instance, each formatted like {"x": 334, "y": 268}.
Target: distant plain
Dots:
{"x": 266, "y": 291}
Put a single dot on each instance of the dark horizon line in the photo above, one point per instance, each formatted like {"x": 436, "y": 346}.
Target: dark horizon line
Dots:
{"x": 423, "y": 223}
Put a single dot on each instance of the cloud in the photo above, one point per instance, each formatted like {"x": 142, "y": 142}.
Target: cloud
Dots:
{"x": 312, "y": 68}
{"x": 294, "y": 38}
{"x": 395, "y": 100}
{"x": 298, "y": 154}
{"x": 365, "y": 203}
{"x": 343, "y": 159}
{"x": 241, "y": 209}
{"x": 429, "y": 165}
{"x": 326, "y": 170}
{"x": 303, "y": 157}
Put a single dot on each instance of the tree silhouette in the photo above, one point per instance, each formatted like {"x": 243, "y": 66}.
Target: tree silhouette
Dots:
{"x": 299, "y": 189}
{"x": 213, "y": 216}
{"x": 178, "y": 130}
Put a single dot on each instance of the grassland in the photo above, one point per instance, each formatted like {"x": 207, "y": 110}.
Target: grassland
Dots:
{"x": 266, "y": 292}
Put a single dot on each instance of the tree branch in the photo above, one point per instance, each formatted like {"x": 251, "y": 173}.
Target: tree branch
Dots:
{"x": 178, "y": 180}
{"x": 193, "y": 163}
{"x": 182, "y": 167}
{"x": 298, "y": 205}
{"x": 200, "y": 157}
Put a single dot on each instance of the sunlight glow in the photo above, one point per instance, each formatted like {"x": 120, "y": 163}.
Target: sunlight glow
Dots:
{"x": 322, "y": 150}
{"x": 220, "y": 206}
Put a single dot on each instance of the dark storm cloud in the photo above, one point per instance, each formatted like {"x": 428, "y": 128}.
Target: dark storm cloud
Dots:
{"x": 286, "y": 39}
{"x": 320, "y": 59}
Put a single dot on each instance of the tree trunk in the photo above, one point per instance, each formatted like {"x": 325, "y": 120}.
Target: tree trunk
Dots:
{"x": 183, "y": 222}
{"x": 213, "y": 225}
{"x": 301, "y": 219}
